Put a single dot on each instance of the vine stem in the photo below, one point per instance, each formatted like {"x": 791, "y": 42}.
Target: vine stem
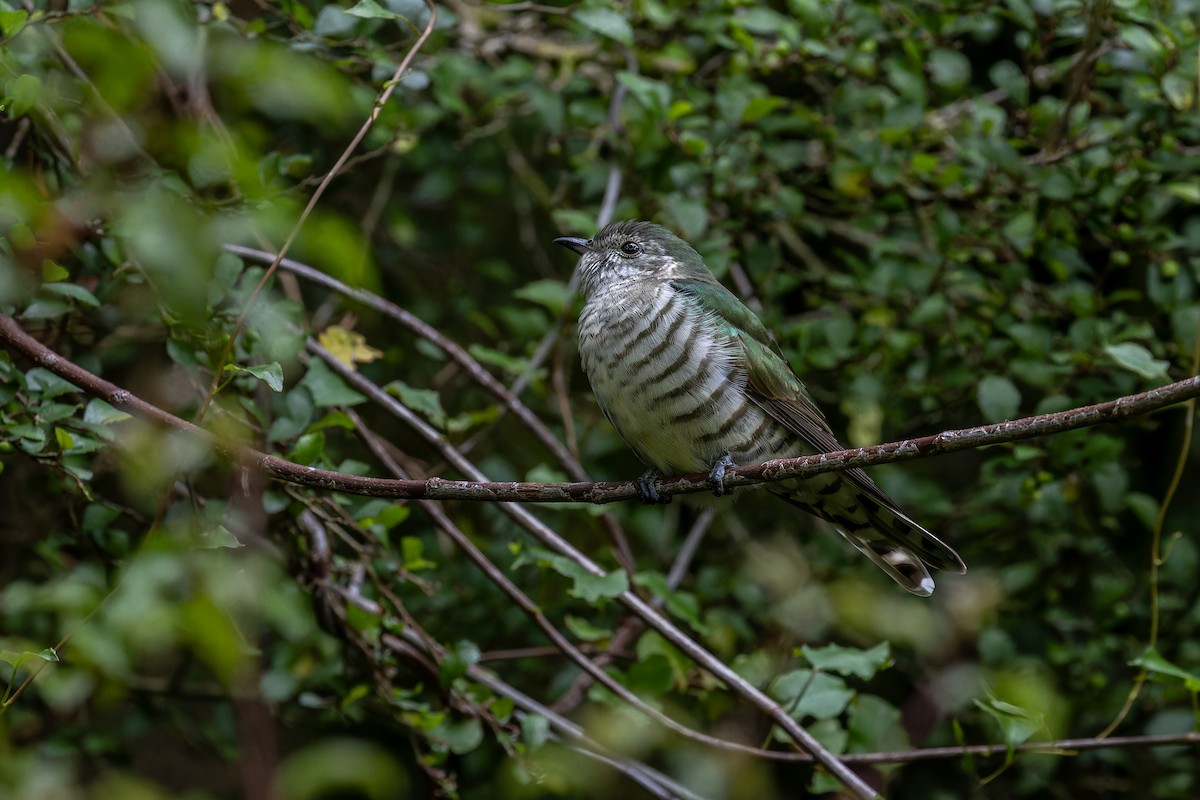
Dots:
{"x": 1157, "y": 556}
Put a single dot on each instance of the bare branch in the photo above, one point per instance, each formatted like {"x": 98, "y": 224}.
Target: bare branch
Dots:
{"x": 14, "y": 338}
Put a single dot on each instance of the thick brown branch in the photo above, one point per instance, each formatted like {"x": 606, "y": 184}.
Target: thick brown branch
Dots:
{"x": 16, "y": 339}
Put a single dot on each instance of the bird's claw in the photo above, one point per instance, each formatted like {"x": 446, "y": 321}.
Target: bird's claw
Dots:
{"x": 716, "y": 477}
{"x": 646, "y": 491}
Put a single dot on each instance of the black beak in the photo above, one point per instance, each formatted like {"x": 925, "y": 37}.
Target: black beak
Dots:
{"x": 574, "y": 243}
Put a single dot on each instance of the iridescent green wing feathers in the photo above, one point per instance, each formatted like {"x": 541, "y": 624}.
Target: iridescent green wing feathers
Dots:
{"x": 770, "y": 380}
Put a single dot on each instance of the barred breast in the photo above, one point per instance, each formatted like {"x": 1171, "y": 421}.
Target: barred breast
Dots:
{"x": 671, "y": 382}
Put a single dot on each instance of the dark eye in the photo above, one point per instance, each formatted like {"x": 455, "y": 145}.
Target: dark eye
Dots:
{"x": 631, "y": 248}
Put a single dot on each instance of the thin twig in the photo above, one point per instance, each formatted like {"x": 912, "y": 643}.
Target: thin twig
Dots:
{"x": 334, "y": 171}
{"x": 691, "y": 543}
{"x": 1157, "y": 557}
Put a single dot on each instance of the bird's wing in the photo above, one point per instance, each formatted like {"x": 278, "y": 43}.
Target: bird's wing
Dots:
{"x": 770, "y": 379}
{"x": 774, "y": 386}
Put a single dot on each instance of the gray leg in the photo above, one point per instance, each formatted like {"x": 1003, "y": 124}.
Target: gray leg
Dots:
{"x": 646, "y": 491}
{"x": 716, "y": 477}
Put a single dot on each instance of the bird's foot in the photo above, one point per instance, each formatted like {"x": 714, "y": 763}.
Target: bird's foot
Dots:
{"x": 646, "y": 491}
{"x": 716, "y": 477}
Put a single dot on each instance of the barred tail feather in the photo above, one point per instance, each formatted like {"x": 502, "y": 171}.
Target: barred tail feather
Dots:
{"x": 903, "y": 567}
{"x": 878, "y": 529}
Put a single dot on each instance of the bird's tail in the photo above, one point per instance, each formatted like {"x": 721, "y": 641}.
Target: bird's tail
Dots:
{"x": 869, "y": 520}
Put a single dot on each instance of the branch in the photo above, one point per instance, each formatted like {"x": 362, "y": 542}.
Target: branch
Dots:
{"x": 15, "y": 339}
{"x": 1060, "y": 746}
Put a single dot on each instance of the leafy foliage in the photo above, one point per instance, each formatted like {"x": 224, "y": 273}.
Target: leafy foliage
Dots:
{"x": 949, "y": 213}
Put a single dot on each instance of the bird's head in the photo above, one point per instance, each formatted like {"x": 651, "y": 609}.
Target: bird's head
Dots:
{"x": 631, "y": 251}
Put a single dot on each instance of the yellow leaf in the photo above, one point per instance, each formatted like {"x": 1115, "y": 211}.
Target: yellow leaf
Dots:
{"x": 348, "y": 347}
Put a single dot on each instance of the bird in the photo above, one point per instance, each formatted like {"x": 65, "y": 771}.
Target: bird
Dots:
{"x": 693, "y": 381}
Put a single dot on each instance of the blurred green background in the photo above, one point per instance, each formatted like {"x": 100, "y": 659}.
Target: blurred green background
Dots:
{"x": 950, "y": 213}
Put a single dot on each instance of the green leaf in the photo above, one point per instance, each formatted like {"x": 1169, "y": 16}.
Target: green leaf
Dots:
{"x": 804, "y": 692}
{"x": 759, "y": 107}
{"x": 387, "y": 514}
{"x": 308, "y": 448}
{"x": 53, "y": 272}
{"x": 217, "y": 537}
{"x": 412, "y": 550}
{"x": 270, "y": 374}
{"x": 47, "y": 384}
{"x": 334, "y": 419}
{"x": 591, "y": 587}
{"x": 327, "y": 387}
{"x": 17, "y": 659}
{"x": 535, "y": 730}
{"x": 464, "y": 655}
{"x": 46, "y": 308}
{"x": 999, "y": 399}
{"x": 689, "y": 214}
{"x": 23, "y": 92}
{"x": 1017, "y": 724}
{"x": 460, "y": 737}
{"x": 586, "y": 586}
{"x": 11, "y": 22}
{"x": 606, "y": 22}
{"x": 651, "y": 677}
{"x": 584, "y": 630}
{"x": 1143, "y": 42}
{"x": 64, "y": 439}
{"x": 554, "y": 295}
{"x": 1186, "y": 191}
{"x": 1020, "y": 232}
{"x": 874, "y": 725}
{"x": 1009, "y": 77}
{"x": 74, "y": 292}
{"x": 1152, "y": 661}
{"x": 425, "y": 402}
{"x": 849, "y": 660}
{"x": 1136, "y": 358}
{"x": 487, "y": 355}
{"x": 762, "y": 21}
{"x": 683, "y": 605}
{"x": 655, "y": 96}
{"x": 651, "y": 644}
{"x": 370, "y": 9}
{"x": 949, "y": 69}
{"x": 1179, "y": 89}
